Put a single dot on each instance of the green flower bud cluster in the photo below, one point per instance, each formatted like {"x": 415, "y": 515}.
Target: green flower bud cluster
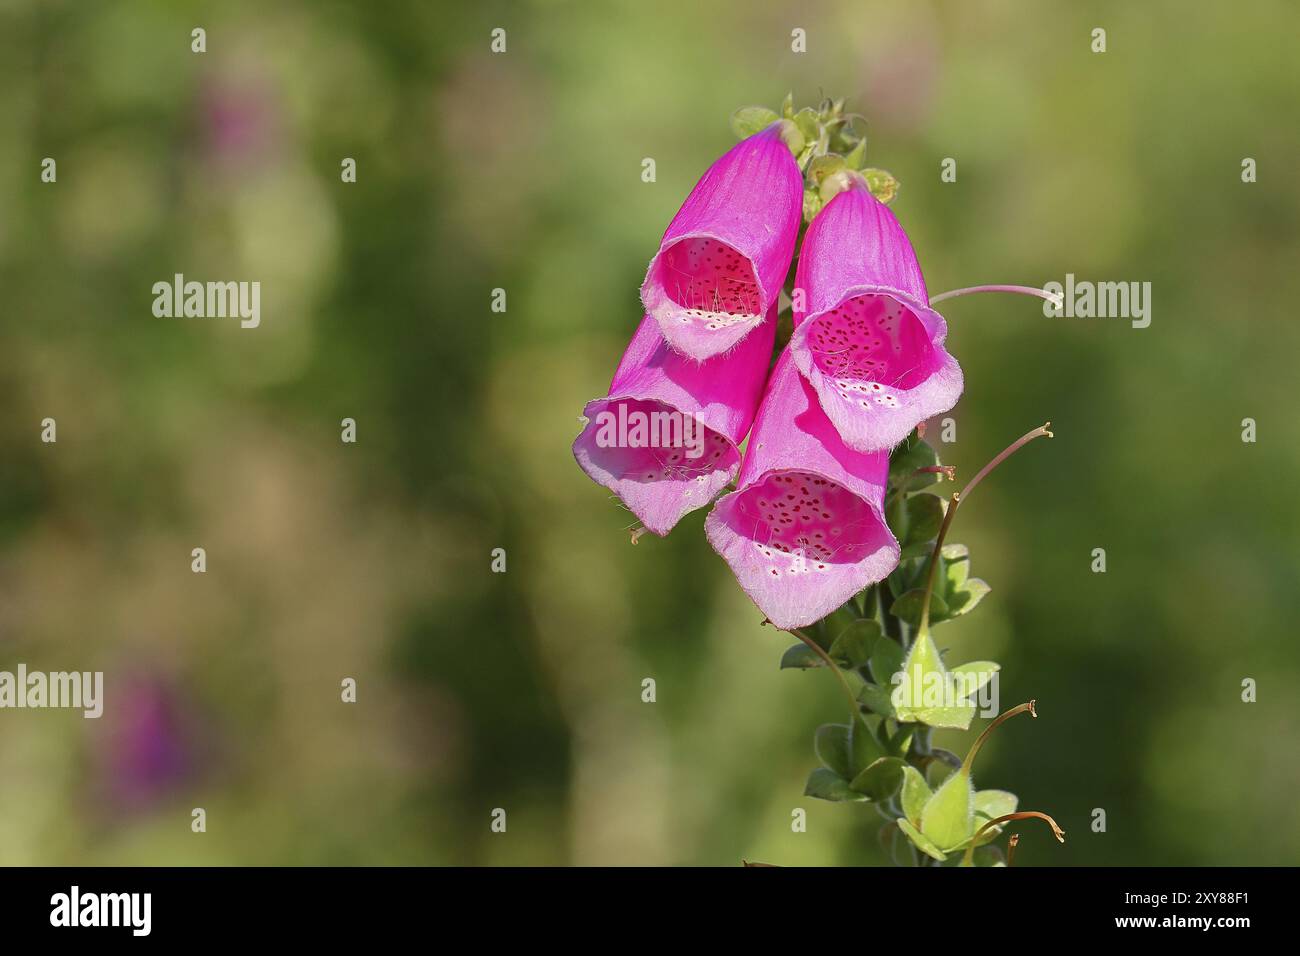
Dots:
{"x": 830, "y": 151}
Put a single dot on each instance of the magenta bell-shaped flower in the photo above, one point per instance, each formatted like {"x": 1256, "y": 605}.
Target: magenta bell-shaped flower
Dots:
{"x": 664, "y": 438}
{"x": 865, "y": 336}
{"x": 724, "y": 258}
{"x": 804, "y": 531}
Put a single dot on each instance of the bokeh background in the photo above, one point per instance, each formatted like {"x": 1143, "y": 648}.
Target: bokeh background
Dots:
{"x": 522, "y": 171}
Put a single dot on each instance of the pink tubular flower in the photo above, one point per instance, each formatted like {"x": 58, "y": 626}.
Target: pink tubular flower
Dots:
{"x": 664, "y": 439}
{"x": 804, "y": 531}
{"x": 865, "y": 335}
{"x": 724, "y": 258}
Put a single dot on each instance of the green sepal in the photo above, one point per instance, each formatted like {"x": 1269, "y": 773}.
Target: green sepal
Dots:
{"x": 823, "y": 166}
{"x": 916, "y": 794}
{"x": 947, "y": 816}
{"x": 748, "y": 120}
{"x": 920, "y": 840}
{"x": 857, "y": 156}
{"x": 882, "y": 184}
{"x": 812, "y": 204}
{"x": 925, "y": 676}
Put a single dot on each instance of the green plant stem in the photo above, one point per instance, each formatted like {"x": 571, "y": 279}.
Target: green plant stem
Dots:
{"x": 957, "y": 498}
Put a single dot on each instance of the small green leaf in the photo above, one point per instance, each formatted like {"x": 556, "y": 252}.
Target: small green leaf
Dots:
{"x": 801, "y": 655}
{"x": 840, "y": 618}
{"x": 853, "y": 645}
{"x": 916, "y": 794}
{"x": 947, "y": 816}
{"x": 787, "y": 106}
{"x": 882, "y": 734}
{"x": 956, "y": 566}
{"x": 882, "y": 184}
{"x": 827, "y": 785}
{"x": 924, "y": 518}
{"x": 748, "y": 120}
{"x": 864, "y": 749}
{"x": 886, "y": 661}
{"x": 831, "y": 744}
{"x": 896, "y": 516}
{"x": 875, "y": 697}
{"x": 881, "y": 779}
{"x": 912, "y": 454}
{"x": 962, "y": 601}
{"x": 922, "y": 842}
{"x": 908, "y": 607}
{"x": 909, "y": 574}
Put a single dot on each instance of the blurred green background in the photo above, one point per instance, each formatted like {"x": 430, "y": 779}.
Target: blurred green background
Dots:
{"x": 522, "y": 171}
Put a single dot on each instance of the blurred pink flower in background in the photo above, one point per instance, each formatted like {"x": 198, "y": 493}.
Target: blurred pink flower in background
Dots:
{"x": 150, "y": 749}
{"x": 240, "y": 121}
